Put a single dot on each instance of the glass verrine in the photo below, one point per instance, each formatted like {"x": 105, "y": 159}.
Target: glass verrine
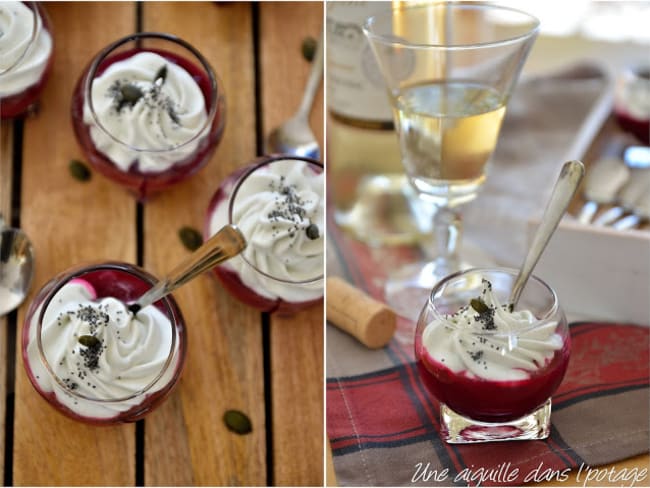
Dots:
{"x": 449, "y": 69}
{"x": 91, "y": 358}
{"x": 278, "y": 204}
{"x": 493, "y": 370}
{"x": 148, "y": 112}
{"x": 26, "y": 46}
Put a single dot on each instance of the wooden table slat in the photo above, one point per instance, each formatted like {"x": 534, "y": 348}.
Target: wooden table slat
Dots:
{"x": 69, "y": 223}
{"x": 296, "y": 342}
{"x": 224, "y": 367}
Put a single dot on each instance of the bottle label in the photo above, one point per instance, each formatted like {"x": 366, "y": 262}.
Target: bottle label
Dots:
{"x": 355, "y": 87}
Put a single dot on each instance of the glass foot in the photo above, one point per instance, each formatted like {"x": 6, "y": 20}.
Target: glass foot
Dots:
{"x": 457, "y": 429}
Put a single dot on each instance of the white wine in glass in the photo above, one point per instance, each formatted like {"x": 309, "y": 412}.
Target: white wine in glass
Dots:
{"x": 447, "y": 133}
{"x": 449, "y": 70}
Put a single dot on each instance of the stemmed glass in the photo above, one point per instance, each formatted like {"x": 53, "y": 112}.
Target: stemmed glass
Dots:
{"x": 449, "y": 69}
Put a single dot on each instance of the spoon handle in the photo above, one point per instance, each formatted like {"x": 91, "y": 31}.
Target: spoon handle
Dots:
{"x": 313, "y": 82}
{"x": 564, "y": 190}
{"x": 226, "y": 243}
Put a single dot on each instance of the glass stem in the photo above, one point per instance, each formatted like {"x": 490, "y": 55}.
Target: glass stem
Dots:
{"x": 447, "y": 227}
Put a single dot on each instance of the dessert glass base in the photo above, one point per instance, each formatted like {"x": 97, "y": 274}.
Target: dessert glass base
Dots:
{"x": 458, "y": 429}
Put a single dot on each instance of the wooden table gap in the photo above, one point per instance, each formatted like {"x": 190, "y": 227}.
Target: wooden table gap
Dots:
{"x": 9, "y": 201}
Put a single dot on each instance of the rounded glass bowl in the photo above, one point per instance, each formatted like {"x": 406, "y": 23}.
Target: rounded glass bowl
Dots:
{"x": 124, "y": 383}
{"x": 243, "y": 278}
{"x": 26, "y": 60}
{"x": 493, "y": 382}
{"x": 150, "y": 162}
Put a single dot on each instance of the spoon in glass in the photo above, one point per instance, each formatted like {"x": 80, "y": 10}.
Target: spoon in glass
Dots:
{"x": 225, "y": 244}
{"x": 295, "y": 137}
{"x": 16, "y": 267}
{"x": 563, "y": 192}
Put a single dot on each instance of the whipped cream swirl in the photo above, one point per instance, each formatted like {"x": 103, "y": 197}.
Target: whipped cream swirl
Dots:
{"x": 280, "y": 210}
{"x": 492, "y": 342}
{"x": 100, "y": 350}
{"x": 24, "y": 54}
{"x": 153, "y": 110}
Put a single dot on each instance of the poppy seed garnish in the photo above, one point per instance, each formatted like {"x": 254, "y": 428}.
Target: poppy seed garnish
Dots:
{"x": 288, "y": 207}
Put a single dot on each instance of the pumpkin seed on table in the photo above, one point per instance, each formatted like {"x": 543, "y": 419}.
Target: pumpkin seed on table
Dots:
{"x": 79, "y": 170}
{"x": 237, "y": 422}
{"x": 190, "y": 237}
{"x": 308, "y": 48}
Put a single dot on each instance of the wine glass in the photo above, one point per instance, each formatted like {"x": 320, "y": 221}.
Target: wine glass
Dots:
{"x": 449, "y": 69}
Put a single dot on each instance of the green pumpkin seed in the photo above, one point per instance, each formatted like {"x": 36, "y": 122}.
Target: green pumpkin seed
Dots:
{"x": 89, "y": 341}
{"x": 312, "y": 231}
{"x": 79, "y": 171}
{"x": 130, "y": 94}
{"x": 191, "y": 238}
{"x": 479, "y": 305}
{"x": 308, "y": 48}
{"x": 161, "y": 76}
{"x": 237, "y": 422}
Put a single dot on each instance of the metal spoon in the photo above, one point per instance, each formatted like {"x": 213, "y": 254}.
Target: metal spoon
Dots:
{"x": 16, "y": 267}
{"x": 602, "y": 183}
{"x": 638, "y": 159}
{"x": 226, "y": 243}
{"x": 564, "y": 190}
{"x": 641, "y": 213}
{"x": 295, "y": 136}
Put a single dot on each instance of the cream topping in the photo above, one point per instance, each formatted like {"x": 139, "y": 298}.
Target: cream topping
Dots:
{"x": 99, "y": 350}
{"x": 280, "y": 210}
{"x": 23, "y": 54}
{"x": 493, "y": 344}
{"x": 153, "y": 107}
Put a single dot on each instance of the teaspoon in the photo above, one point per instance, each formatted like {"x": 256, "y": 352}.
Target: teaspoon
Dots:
{"x": 638, "y": 159}
{"x": 225, "y": 244}
{"x": 563, "y": 191}
{"x": 16, "y": 267}
{"x": 295, "y": 136}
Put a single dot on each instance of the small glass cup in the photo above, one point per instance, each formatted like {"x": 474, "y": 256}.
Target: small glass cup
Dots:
{"x": 261, "y": 288}
{"x": 26, "y": 62}
{"x": 166, "y": 163}
{"x": 492, "y": 385}
{"x": 116, "y": 396}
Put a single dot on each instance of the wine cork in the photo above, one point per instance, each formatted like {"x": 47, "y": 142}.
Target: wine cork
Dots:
{"x": 367, "y": 319}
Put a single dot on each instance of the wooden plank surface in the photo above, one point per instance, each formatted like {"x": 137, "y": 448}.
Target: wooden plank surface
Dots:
{"x": 224, "y": 368}
{"x": 69, "y": 223}
{"x": 296, "y": 342}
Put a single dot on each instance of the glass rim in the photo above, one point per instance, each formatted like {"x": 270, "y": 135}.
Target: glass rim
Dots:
{"x": 215, "y": 91}
{"x": 36, "y": 14}
{"x": 397, "y": 41}
{"x": 481, "y": 272}
{"x": 71, "y": 274}
{"x": 261, "y": 162}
